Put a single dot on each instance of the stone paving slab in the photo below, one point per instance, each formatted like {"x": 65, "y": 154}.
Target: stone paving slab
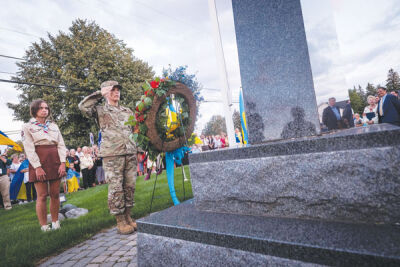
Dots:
{"x": 108, "y": 249}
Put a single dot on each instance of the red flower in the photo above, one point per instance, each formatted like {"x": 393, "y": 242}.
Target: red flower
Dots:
{"x": 140, "y": 118}
{"x": 154, "y": 84}
{"x": 149, "y": 93}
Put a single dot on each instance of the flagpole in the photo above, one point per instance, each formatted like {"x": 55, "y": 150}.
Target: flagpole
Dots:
{"x": 225, "y": 92}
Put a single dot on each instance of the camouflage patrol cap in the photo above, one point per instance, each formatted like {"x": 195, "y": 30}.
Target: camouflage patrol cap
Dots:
{"x": 110, "y": 83}
{"x": 106, "y": 87}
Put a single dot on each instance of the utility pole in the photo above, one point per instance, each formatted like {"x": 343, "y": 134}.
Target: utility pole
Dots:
{"x": 225, "y": 92}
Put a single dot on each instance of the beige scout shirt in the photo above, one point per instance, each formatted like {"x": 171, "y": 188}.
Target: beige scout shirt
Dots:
{"x": 33, "y": 135}
{"x": 111, "y": 119}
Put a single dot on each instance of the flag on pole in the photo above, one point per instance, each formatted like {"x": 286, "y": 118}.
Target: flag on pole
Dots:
{"x": 243, "y": 118}
{"x": 5, "y": 140}
{"x": 99, "y": 140}
{"x": 91, "y": 139}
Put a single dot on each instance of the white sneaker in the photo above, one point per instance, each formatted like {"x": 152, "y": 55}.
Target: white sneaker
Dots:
{"x": 55, "y": 225}
{"x": 45, "y": 228}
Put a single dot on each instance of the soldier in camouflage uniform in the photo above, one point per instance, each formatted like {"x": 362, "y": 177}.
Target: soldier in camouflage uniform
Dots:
{"x": 117, "y": 150}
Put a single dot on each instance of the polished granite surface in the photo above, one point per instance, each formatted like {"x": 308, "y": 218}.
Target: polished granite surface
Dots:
{"x": 306, "y": 240}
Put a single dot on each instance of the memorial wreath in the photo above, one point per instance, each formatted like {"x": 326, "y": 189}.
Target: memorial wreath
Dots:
{"x": 164, "y": 116}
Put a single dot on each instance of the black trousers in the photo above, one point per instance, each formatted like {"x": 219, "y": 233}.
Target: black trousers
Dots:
{"x": 30, "y": 191}
{"x": 85, "y": 177}
{"x": 92, "y": 176}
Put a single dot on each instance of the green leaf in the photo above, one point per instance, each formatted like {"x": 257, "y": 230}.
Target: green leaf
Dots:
{"x": 143, "y": 128}
{"x": 146, "y": 86}
{"x": 134, "y": 137}
{"x": 140, "y": 106}
{"x": 140, "y": 138}
{"x": 148, "y": 101}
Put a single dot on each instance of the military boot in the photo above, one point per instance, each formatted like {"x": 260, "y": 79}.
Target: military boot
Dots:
{"x": 129, "y": 218}
{"x": 122, "y": 226}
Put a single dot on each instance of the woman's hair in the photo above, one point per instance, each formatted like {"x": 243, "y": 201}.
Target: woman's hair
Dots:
{"x": 369, "y": 97}
{"x": 35, "y": 106}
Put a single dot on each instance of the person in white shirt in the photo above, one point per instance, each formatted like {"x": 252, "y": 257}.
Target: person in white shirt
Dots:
{"x": 14, "y": 166}
{"x": 372, "y": 108}
{"x": 86, "y": 166}
{"x": 79, "y": 152}
{"x": 217, "y": 142}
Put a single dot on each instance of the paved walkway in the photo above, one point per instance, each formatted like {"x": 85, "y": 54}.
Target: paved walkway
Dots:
{"x": 107, "y": 248}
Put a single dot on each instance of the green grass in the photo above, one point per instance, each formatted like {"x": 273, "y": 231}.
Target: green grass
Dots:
{"x": 23, "y": 244}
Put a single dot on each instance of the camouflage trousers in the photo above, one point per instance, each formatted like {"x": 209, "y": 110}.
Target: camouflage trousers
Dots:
{"x": 120, "y": 173}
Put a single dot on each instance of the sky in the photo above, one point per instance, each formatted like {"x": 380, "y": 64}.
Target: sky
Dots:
{"x": 350, "y": 42}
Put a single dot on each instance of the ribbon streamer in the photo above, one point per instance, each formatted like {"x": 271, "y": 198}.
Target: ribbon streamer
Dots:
{"x": 171, "y": 157}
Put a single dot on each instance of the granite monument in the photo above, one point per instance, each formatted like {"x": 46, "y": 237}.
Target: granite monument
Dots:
{"x": 302, "y": 200}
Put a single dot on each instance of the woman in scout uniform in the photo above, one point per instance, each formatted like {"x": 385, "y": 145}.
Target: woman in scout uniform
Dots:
{"x": 46, "y": 152}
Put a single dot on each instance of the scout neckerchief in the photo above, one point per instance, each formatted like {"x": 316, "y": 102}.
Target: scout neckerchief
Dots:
{"x": 44, "y": 126}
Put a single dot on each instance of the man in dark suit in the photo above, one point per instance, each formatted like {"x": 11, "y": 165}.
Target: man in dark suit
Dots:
{"x": 388, "y": 107}
{"x": 331, "y": 116}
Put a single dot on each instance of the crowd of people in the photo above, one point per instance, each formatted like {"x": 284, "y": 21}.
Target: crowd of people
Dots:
{"x": 219, "y": 141}
{"x": 384, "y": 107}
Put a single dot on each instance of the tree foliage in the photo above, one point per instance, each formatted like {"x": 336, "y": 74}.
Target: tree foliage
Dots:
{"x": 357, "y": 102}
{"x": 393, "y": 81}
{"x": 236, "y": 120}
{"x": 370, "y": 89}
{"x": 217, "y": 124}
{"x": 180, "y": 75}
{"x": 77, "y": 61}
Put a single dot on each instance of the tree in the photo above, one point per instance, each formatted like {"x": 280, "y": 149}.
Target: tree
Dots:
{"x": 361, "y": 93}
{"x": 356, "y": 100}
{"x": 370, "y": 89}
{"x": 78, "y": 62}
{"x": 215, "y": 126}
{"x": 236, "y": 120}
{"x": 190, "y": 80}
{"x": 393, "y": 81}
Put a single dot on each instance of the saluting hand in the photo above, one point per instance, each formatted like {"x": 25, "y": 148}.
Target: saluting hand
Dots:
{"x": 40, "y": 174}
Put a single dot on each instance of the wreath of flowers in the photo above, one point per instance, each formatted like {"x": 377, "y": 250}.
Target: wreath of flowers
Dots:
{"x": 149, "y": 120}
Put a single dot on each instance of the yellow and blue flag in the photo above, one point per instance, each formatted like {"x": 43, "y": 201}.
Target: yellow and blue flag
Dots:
{"x": 172, "y": 121}
{"x": 5, "y": 140}
{"x": 243, "y": 118}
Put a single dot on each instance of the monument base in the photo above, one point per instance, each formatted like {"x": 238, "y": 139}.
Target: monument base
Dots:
{"x": 185, "y": 236}
{"x": 350, "y": 176}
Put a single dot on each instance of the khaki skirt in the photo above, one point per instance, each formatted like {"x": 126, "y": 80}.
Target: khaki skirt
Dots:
{"x": 50, "y": 161}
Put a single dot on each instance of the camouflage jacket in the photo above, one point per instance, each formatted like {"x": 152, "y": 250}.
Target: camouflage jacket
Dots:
{"x": 111, "y": 119}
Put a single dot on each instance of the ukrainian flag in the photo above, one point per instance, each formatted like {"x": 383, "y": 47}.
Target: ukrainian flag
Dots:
{"x": 4, "y": 140}
{"x": 243, "y": 118}
{"x": 172, "y": 121}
